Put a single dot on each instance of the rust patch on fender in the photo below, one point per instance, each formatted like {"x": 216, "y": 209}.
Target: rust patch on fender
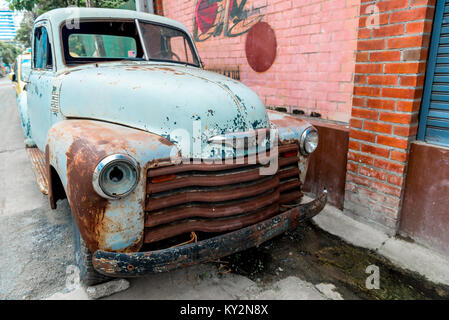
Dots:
{"x": 87, "y": 206}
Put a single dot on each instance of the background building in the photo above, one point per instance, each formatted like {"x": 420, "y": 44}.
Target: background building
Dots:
{"x": 7, "y": 24}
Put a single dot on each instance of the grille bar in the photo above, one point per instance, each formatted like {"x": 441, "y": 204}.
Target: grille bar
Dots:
{"x": 215, "y": 225}
{"x": 213, "y": 196}
{"x": 205, "y": 181}
{"x": 211, "y": 211}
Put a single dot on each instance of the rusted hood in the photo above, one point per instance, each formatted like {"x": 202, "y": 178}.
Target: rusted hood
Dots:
{"x": 176, "y": 102}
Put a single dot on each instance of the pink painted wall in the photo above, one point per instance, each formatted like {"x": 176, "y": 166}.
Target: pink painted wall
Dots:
{"x": 316, "y": 43}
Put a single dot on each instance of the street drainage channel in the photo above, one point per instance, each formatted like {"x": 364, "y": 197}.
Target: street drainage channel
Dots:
{"x": 316, "y": 256}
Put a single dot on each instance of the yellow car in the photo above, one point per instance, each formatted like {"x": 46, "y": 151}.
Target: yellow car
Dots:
{"x": 21, "y": 71}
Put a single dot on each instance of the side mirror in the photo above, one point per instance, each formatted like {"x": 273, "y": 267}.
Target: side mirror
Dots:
{"x": 12, "y": 77}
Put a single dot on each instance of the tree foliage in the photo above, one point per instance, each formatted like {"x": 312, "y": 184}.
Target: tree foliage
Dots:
{"x": 41, "y": 6}
{"x": 34, "y": 8}
{"x": 23, "y": 35}
{"x": 9, "y": 52}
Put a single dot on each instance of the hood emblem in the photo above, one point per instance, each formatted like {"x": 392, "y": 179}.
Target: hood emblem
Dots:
{"x": 242, "y": 140}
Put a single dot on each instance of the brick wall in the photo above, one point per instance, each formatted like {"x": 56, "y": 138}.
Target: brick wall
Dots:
{"x": 158, "y": 9}
{"x": 314, "y": 66}
{"x": 389, "y": 78}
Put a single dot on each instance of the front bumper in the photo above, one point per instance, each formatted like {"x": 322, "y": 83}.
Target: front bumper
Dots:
{"x": 141, "y": 263}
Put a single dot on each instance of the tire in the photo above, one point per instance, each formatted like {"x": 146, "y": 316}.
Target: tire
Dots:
{"x": 83, "y": 258}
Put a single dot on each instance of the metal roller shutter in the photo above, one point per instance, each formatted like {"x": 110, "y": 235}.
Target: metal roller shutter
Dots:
{"x": 434, "y": 118}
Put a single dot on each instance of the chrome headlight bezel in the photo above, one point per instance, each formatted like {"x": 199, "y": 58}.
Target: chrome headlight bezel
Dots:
{"x": 302, "y": 141}
{"x": 107, "y": 163}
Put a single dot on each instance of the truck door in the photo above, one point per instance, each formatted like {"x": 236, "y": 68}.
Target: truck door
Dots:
{"x": 40, "y": 84}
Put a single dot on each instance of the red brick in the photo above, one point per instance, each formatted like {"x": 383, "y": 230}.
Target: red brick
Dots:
{"x": 354, "y": 145}
{"x": 358, "y": 102}
{"x": 364, "y": 113}
{"x": 377, "y": 44}
{"x": 377, "y": 127}
{"x": 403, "y": 118}
{"x": 364, "y": 33}
{"x": 356, "y": 123}
{"x": 392, "y": 142}
{"x": 372, "y": 195}
{"x": 367, "y": 91}
{"x": 409, "y": 106}
{"x": 412, "y": 81}
{"x": 358, "y": 180}
{"x": 375, "y": 150}
{"x": 415, "y": 3}
{"x": 398, "y": 156}
{"x": 395, "y": 180}
{"x": 415, "y": 54}
{"x": 419, "y": 27}
{"x": 372, "y": 173}
{"x": 362, "y": 135}
{"x": 360, "y": 79}
{"x": 360, "y": 158}
{"x": 405, "y": 131}
{"x": 362, "y": 57}
{"x": 389, "y": 30}
{"x": 368, "y": 68}
{"x": 385, "y": 188}
{"x": 381, "y": 104}
{"x": 407, "y": 42}
{"x": 352, "y": 167}
{"x": 385, "y": 56}
{"x": 383, "y": 80}
{"x": 390, "y": 5}
{"x": 411, "y": 15}
{"x": 389, "y": 166}
{"x": 398, "y": 93}
{"x": 409, "y": 67}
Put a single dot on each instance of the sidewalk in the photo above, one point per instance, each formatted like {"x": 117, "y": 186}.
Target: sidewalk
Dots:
{"x": 411, "y": 256}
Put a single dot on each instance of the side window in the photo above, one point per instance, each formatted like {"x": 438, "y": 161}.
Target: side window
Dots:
{"x": 42, "y": 57}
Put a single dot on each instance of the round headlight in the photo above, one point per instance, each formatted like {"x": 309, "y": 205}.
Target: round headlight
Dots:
{"x": 309, "y": 141}
{"x": 116, "y": 176}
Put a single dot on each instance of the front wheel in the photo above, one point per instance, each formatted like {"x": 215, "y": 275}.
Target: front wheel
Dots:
{"x": 83, "y": 257}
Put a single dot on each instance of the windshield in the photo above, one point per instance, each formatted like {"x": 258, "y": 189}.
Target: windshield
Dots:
{"x": 167, "y": 44}
{"x": 25, "y": 69}
{"x": 96, "y": 41}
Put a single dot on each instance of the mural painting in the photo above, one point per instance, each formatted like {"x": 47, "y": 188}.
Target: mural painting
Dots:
{"x": 231, "y": 18}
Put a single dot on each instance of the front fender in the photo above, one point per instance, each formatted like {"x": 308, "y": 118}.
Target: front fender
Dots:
{"x": 289, "y": 127}
{"x": 74, "y": 148}
{"x": 290, "y": 130}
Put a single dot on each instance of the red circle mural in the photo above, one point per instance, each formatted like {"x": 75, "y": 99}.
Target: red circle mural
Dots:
{"x": 260, "y": 47}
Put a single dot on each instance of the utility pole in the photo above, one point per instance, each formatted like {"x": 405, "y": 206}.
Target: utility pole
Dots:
{"x": 144, "y": 6}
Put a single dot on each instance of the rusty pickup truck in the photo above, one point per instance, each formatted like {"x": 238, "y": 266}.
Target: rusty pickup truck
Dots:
{"x": 163, "y": 163}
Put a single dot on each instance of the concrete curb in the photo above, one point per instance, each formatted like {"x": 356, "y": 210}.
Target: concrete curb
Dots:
{"x": 412, "y": 256}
